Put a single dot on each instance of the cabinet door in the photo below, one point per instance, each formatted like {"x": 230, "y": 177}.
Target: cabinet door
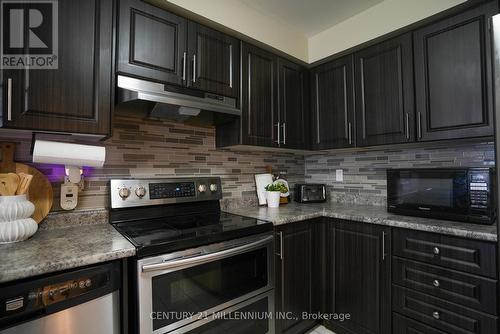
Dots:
{"x": 293, "y": 276}
{"x": 384, "y": 92}
{"x": 259, "y": 97}
{"x": 77, "y": 96}
{"x": 453, "y": 77}
{"x": 151, "y": 43}
{"x": 359, "y": 279}
{"x": 292, "y": 105}
{"x": 215, "y": 61}
{"x": 333, "y": 101}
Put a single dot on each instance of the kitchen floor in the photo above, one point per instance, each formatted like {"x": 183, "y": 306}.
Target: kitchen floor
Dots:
{"x": 320, "y": 330}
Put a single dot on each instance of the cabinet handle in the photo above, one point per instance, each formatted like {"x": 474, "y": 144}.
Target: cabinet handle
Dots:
{"x": 407, "y": 126}
{"x": 419, "y": 124}
{"x": 194, "y": 68}
{"x": 383, "y": 246}
{"x": 349, "y": 135}
{"x": 184, "y": 67}
{"x": 436, "y": 315}
{"x": 280, "y": 254}
{"x": 436, "y": 283}
{"x": 278, "y": 125}
{"x": 436, "y": 250}
{"x": 9, "y": 99}
{"x": 284, "y": 133}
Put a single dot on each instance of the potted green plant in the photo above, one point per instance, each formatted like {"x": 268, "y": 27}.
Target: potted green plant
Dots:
{"x": 273, "y": 194}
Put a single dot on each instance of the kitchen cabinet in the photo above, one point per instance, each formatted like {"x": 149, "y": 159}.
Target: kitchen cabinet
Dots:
{"x": 333, "y": 105}
{"x": 77, "y": 97}
{"x": 157, "y": 45}
{"x": 214, "y": 63}
{"x": 358, "y": 277}
{"x": 384, "y": 92}
{"x": 292, "y": 120}
{"x": 273, "y": 103}
{"x": 151, "y": 43}
{"x": 453, "y": 76}
{"x": 442, "y": 283}
{"x": 294, "y": 276}
{"x": 259, "y": 97}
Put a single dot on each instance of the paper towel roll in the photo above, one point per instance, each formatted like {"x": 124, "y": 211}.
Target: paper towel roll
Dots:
{"x": 52, "y": 152}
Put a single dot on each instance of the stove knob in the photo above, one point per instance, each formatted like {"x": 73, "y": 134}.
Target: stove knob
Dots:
{"x": 213, "y": 187}
{"x": 124, "y": 193}
{"x": 140, "y": 192}
{"x": 202, "y": 188}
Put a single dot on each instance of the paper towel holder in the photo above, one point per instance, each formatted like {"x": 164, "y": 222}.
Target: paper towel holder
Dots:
{"x": 72, "y": 156}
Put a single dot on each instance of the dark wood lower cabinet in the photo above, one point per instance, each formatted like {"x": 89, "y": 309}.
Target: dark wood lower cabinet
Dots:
{"x": 294, "y": 276}
{"x": 404, "y": 325}
{"x": 359, "y": 272}
{"x": 359, "y": 277}
{"x": 441, "y": 314}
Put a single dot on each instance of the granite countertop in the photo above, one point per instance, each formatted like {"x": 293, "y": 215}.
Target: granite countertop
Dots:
{"x": 51, "y": 250}
{"x": 294, "y": 212}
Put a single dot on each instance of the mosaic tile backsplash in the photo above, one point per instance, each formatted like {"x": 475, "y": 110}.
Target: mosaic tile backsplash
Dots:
{"x": 145, "y": 148}
{"x": 365, "y": 172}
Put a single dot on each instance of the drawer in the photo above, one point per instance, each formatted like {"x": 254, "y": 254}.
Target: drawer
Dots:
{"x": 441, "y": 314}
{"x": 404, "y": 325}
{"x": 472, "y": 256}
{"x": 473, "y": 291}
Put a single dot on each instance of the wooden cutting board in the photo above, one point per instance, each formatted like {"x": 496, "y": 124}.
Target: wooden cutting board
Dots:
{"x": 40, "y": 191}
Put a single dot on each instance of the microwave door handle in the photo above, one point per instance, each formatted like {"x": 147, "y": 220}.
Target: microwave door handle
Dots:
{"x": 206, "y": 258}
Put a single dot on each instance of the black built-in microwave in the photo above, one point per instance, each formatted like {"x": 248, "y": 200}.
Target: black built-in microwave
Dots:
{"x": 462, "y": 194}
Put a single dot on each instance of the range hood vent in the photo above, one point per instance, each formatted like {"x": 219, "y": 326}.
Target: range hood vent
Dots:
{"x": 174, "y": 103}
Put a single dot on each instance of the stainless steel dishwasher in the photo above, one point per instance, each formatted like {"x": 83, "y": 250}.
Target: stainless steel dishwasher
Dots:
{"x": 82, "y": 301}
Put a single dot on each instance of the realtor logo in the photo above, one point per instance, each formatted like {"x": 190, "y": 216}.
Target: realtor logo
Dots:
{"x": 29, "y": 36}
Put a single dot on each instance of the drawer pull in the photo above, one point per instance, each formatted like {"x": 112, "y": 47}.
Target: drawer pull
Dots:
{"x": 436, "y": 251}
{"x": 436, "y": 283}
{"x": 435, "y": 315}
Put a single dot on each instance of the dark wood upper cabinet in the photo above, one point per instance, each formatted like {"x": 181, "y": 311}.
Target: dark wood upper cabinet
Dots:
{"x": 292, "y": 105}
{"x": 453, "y": 76}
{"x": 77, "y": 97}
{"x": 384, "y": 92}
{"x": 294, "y": 270}
{"x": 259, "y": 97}
{"x": 359, "y": 276}
{"x": 214, "y": 61}
{"x": 151, "y": 43}
{"x": 333, "y": 105}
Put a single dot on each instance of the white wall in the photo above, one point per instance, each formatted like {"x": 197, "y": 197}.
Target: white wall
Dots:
{"x": 235, "y": 15}
{"x": 376, "y": 21}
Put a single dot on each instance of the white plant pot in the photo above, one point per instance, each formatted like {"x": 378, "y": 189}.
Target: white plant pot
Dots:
{"x": 273, "y": 199}
{"x": 15, "y": 222}
{"x": 15, "y": 207}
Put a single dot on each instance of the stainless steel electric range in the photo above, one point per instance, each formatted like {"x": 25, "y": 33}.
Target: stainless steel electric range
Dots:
{"x": 195, "y": 266}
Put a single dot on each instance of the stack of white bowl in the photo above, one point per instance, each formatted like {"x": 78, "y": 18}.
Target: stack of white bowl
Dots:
{"x": 16, "y": 223}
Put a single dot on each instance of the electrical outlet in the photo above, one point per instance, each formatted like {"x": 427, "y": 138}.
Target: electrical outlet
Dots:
{"x": 339, "y": 175}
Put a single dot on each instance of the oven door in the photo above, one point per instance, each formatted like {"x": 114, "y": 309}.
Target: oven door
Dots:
{"x": 253, "y": 316}
{"x": 179, "y": 288}
{"x": 431, "y": 192}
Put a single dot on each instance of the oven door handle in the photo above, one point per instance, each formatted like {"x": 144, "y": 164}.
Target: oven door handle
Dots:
{"x": 206, "y": 258}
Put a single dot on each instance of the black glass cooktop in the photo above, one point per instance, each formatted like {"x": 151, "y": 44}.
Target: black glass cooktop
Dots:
{"x": 166, "y": 234}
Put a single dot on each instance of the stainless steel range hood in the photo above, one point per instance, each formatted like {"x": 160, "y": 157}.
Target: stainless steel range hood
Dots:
{"x": 173, "y": 102}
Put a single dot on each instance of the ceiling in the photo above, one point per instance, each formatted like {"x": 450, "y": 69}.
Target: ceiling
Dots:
{"x": 309, "y": 17}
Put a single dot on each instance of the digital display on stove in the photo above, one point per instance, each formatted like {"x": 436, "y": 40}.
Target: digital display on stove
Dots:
{"x": 171, "y": 190}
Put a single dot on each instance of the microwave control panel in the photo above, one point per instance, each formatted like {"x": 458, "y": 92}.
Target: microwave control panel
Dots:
{"x": 479, "y": 189}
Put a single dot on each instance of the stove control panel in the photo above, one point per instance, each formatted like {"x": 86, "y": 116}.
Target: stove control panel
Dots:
{"x": 144, "y": 192}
